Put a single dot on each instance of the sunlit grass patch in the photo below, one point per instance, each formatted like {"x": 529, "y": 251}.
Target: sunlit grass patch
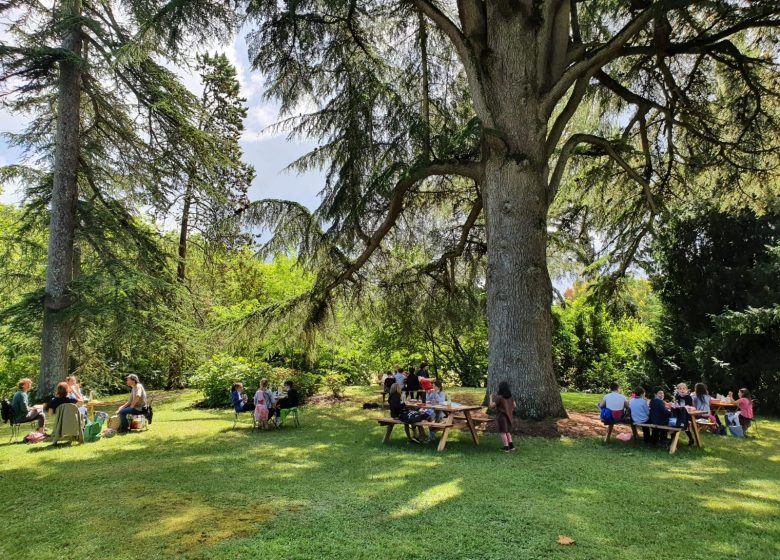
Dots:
{"x": 193, "y": 487}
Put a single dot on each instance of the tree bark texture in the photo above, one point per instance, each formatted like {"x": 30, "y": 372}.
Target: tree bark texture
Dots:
{"x": 62, "y": 225}
{"x": 181, "y": 269}
{"x": 515, "y": 194}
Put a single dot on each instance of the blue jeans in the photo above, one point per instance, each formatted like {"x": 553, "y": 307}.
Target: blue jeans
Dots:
{"x": 124, "y": 413}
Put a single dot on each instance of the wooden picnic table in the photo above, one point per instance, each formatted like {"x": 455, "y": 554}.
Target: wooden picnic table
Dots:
{"x": 446, "y": 425}
{"x": 693, "y": 428}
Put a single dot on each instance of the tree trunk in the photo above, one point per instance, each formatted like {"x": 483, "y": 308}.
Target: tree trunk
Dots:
{"x": 181, "y": 269}
{"x": 62, "y": 225}
{"x": 519, "y": 291}
{"x": 515, "y": 197}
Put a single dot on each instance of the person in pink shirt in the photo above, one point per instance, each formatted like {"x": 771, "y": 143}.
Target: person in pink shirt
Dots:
{"x": 745, "y": 405}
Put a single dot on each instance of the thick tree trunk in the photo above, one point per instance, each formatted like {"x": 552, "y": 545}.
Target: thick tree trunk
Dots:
{"x": 519, "y": 292}
{"x": 515, "y": 197}
{"x": 62, "y": 225}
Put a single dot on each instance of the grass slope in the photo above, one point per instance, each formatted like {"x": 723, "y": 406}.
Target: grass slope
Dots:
{"x": 191, "y": 487}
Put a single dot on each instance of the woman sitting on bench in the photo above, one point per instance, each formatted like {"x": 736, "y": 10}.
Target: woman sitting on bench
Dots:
{"x": 397, "y": 406}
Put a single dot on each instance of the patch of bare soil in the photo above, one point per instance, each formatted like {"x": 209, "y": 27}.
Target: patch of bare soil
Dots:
{"x": 327, "y": 400}
{"x": 577, "y": 425}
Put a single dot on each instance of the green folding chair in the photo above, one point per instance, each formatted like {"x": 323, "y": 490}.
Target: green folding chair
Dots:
{"x": 285, "y": 412}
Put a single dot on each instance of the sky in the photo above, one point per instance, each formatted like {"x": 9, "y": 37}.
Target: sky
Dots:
{"x": 268, "y": 152}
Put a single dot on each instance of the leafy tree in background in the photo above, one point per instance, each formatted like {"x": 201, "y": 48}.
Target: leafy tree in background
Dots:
{"x": 472, "y": 107}
{"x": 213, "y": 195}
{"x": 102, "y": 65}
{"x": 718, "y": 280}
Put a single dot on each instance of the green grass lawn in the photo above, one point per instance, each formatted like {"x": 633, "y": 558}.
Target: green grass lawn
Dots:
{"x": 191, "y": 487}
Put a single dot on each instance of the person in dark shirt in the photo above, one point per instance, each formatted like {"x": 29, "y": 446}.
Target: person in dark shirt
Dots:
{"x": 659, "y": 415}
{"x": 413, "y": 385}
{"x": 61, "y": 397}
{"x": 396, "y": 404}
{"x": 423, "y": 371}
{"x": 290, "y": 401}
{"x": 683, "y": 396}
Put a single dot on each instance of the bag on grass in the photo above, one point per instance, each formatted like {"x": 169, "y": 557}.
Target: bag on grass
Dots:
{"x": 34, "y": 437}
{"x": 114, "y": 422}
{"x": 737, "y": 431}
{"x": 92, "y": 431}
{"x": 138, "y": 423}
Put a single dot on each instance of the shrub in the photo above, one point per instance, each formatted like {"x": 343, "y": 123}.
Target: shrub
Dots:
{"x": 305, "y": 383}
{"x": 335, "y": 384}
{"x": 216, "y": 376}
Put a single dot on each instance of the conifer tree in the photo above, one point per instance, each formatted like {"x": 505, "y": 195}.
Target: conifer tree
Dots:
{"x": 684, "y": 94}
{"x": 107, "y": 148}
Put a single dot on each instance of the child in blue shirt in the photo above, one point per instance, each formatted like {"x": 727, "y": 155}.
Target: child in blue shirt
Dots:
{"x": 640, "y": 411}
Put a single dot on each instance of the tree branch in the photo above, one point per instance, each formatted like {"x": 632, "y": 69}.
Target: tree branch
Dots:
{"x": 580, "y": 88}
{"x": 457, "y": 251}
{"x": 609, "y": 149}
{"x": 447, "y": 26}
{"x": 600, "y": 57}
{"x": 437, "y": 168}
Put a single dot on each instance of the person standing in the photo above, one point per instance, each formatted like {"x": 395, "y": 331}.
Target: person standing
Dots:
{"x": 134, "y": 405}
{"x": 423, "y": 371}
{"x": 23, "y": 412}
{"x": 504, "y": 405}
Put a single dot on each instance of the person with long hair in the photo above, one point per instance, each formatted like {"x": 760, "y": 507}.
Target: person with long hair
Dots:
{"x": 745, "y": 405}
{"x": 504, "y": 405}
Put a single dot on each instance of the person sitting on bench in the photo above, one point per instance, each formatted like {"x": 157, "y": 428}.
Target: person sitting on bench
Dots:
{"x": 640, "y": 412}
{"x": 23, "y": 412}
{"x": 659, "y": 415}
{"x": 396, "y": 404}
{"x": 241, "y": 402}
{"x": 615, "y": 402}
{"x": 290, "y": 401}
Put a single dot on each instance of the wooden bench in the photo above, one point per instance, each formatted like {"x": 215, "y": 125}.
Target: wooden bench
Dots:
{"x": 676, "y": 431}
{"x": 392, "y": 422}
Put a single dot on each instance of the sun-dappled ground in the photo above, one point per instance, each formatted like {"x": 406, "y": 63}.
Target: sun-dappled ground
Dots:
{"x": 191, "y": 487}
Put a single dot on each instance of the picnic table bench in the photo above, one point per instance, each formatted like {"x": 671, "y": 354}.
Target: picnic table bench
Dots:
{"x": 453, "y": 410}
{"x": 693, "y": 426}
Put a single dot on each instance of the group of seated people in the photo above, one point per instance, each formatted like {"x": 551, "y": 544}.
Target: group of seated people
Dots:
{"x": 432, "y": 394}
{"x": 267, "y": 406}
{"x": 414, "y": 383}
{"x": 616, "y": 408}
{"x": 69, "y": 392}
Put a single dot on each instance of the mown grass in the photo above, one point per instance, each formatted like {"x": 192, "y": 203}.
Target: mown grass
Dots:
{"x": 191, "y": 487}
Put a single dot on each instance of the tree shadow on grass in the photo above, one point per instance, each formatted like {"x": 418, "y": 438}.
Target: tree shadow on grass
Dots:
{"x": 332, "y": 490}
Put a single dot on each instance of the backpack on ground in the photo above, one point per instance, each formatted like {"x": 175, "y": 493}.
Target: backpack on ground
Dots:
{"x": 6, "y": 412}
{"x": 92, "y": 431}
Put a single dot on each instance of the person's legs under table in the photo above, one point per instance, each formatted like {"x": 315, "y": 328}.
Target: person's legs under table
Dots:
{"x": 124, "y": 422}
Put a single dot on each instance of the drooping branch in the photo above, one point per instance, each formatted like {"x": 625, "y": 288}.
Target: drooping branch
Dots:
{"x": 447, "y": 26}
{"x": 471, "y": 170}
{"x": 457, "y": 250}
{"x": 609, "y": 149}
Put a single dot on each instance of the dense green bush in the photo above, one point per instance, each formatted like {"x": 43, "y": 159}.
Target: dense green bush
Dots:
{"x": 216, "y": 376}
{"x": 593, "y": 347}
